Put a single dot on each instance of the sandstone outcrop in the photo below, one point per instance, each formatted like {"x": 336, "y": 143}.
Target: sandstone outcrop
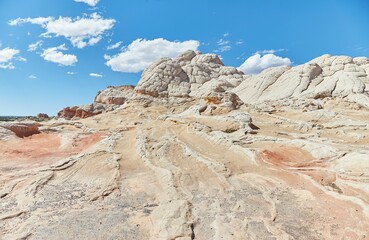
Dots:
{"x": 190, "y": 74}
{"x": 84, "y": 111}
{"x": 114, "y": 95}
{"x": 326, "y": 76}
{"x": 199, "y": 151}
{"x": 106, "y": 100}
{"x": 21, "y": 129}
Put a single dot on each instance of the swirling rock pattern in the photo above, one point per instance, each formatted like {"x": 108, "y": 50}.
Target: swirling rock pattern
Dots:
{"x": 199, "y": 158}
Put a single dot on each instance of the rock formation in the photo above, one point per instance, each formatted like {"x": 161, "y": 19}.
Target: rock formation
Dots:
{"x": 326, "y": 76}
{"x": 21, "y": 129}
{"x": 84, "y": 111}
{"x": 186, "y": 76}
{"x": 105, "y": 101}
{"x": 43, "y": 116}
{"x": 114, "y": 95}
{"x": 199, "y": 151}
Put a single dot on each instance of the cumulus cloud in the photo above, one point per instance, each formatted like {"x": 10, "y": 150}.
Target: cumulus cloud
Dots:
{"x": 114, "y": 46}
{"x": 92, "y": 3}
{"x": 55, "y": 55}
{"x": 96, "y": 75}
{"x": 141, "y": 53}
{"x": 71, "y": 73}
{"x": 7, "y": 55}
{"x": 257, "y": 63}
{"x": 32, "y": 77}
{"x": 80, "y": 31}
{"x": 34, "y": 46}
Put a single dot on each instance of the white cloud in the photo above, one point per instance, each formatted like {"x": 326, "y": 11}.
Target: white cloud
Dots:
{"x": 223, "y": 49}
{"x": 239, "y": 42}
{"x": 56, "y": 56}
{"x": 39, "y": 21}
{"x": 141, "y": 53}
{"x": 34, "y": 46}
{"x": 270, "y": 51}
{"x": 114, "y": 46}
{"x": 81, "y": 31}
{"x": 96, "y": 75}
{"x": 257, "y": 63}
{"x": 92, "y": 3}
{"x": 6, "y": 57}
{"x": 222, "y": 42}
{"x": 32, "y": 77}
{"x": 223, "y": 45}
{"x": 71, "y": 73}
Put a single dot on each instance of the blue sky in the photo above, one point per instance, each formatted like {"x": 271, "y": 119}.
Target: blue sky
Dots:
{"x": 72, "y": 60}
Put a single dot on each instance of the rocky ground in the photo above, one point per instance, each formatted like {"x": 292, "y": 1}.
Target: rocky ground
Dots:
{"x": 198, "y": 151}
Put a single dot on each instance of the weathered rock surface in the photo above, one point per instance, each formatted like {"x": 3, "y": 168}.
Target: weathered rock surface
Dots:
{"x": 106, "y": 100}
{"x": 21, "y": 129}
{"x": 84, "y": 111}
{"x": 199, "y": 163}
{"x": 190, "y": 74}
{"x": 114, "y": 95}
{"x": 326, "y": 76}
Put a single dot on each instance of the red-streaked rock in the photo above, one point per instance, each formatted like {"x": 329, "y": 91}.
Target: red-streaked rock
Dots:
{"x": 22, "y": 129}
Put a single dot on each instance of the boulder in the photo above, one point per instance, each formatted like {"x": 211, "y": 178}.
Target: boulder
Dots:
{"x": 221, "y": 102}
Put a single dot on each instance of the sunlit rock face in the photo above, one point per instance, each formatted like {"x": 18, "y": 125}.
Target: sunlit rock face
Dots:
{"x": 199, "y": 151}
{"x": 326, "y": 76}
{"x": 190, "y": 74}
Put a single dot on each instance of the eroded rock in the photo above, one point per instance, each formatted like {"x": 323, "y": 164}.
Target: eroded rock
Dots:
{"x": 323, "y": 77}
{"x": 187, "y": 75}
{"x": 21, "y": 129}
{"x": 114, "y": 95}
{"x": 84, "y": 111}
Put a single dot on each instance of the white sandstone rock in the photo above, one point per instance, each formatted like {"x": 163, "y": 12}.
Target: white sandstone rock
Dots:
{"x": 325, "y": 76}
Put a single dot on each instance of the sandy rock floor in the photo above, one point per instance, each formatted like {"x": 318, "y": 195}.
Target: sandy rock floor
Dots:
{"x": 148, "y": 171}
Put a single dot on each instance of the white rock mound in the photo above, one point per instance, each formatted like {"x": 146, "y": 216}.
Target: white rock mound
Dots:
{"x": 189, "y": 75}
{"x": 325, "y": 76}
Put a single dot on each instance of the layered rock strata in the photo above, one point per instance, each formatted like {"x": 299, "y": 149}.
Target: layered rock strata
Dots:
{"x": 195, "y": 157}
